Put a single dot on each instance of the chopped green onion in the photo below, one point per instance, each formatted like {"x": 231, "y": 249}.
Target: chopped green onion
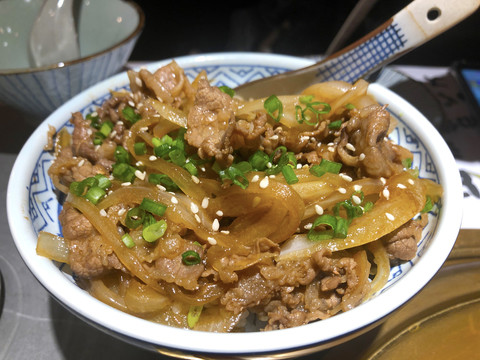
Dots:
{"x": 103, "y": 181}
{"x": 335, "y": 125}
{"x": 121, "y": 155}
{"x": 178, "y": 157}
{"x": 123, "y": 172}
{"x": 94, "y": 121}
{"x": 149, "y": 219}
{"x": 164, "y": 180}
{"x": 134, "y": 217}
{"x": 428, "y": 205}
{"x": 77, "y": 188}
{"x": 289, "y": 175}
{"x": 154, "y": 231}
{"x": 161, "y": 150}
{"x": 130, "y": 115}
{"x": 154, "y": 207}
{"x": 98, "y": 138}
{"x": 106, "y": 128}
{"x": 327, "y": 220}
{"x": 128, "y": 241}
{"x": 237, "y": 173}
{"x": 191, "y": 257}
{"x": 259, "y": 160}
{"x": 95, "y": 194}
{"x": 326, "y": 166}
{"x": 227, "y": 90}
{"x": 194, "y": 315}
{"x": 303, "y": 115}
{"x": 191, "y": 168}
{"x": 407, "y": 163}
{"x": 140, "y": 148}
{"x": 273, "y": 105}
{"x": 349, "y": 106}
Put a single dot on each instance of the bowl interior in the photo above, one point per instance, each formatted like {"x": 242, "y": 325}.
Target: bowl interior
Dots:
{"x": 33, "y": 206}
{"x": 101, "y": 25}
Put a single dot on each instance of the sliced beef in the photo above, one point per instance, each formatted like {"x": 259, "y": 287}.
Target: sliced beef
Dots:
{"x": 168, "y": 84}
{"x": 211, "y": 122}
{"x": 89, "y": 256}
{"x": 82, "y": 143}
{"x": 172, "y": 269}
{"x": 367, "y": 131}
{"x": 402, "y": 243}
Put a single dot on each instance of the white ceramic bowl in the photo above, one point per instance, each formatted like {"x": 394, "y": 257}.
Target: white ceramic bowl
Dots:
{"x": 32, "y": 206}
{"x": 107, "y": 33}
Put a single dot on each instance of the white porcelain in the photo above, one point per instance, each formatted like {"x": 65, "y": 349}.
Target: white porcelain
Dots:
{"x": 32, "y": 206}
{"x": 108, "y": 31}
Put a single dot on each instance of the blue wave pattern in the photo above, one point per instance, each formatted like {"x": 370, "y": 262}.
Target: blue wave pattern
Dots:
{"x": 44, "y": 206}
{"x": 365, "y": 57}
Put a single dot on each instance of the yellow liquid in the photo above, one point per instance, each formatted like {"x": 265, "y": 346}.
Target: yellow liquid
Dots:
{"x": 453, "y": 333}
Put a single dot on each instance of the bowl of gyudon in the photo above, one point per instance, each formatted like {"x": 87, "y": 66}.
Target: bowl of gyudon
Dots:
{"x": 160, "y": 207}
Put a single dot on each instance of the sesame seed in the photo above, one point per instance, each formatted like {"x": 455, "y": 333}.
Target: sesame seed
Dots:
{"x": 174, "y": 200}
{"x": 390, "y": 216}
{"x": 138, "y": 81}
{"x": 357, "y": 187}
{"x": 94, "y": 113}
{"x": 211, "y": 241}
{"x": 330, "y": 144}
{"x": 195, "y": 179}
{"x": 112, "y": 134}
{"x": 269, "y": 165}
{"x": 161, "y": 187}
{"x": 215, "y": 225}
{"x": 401, "y": 186}
{"x": 350, "y": 147}
{"x": 356, "y": 199}
{"x": 144, "y": 129}
{"x": 205, "y": 202}
{"x": 346, "y": 177}
{"x": 342, "y": 190}
{"x": 273, "y": 176}
{"x": 141, "y": 175}
{"x": 121, "y": 212}
{"x": 193, "y": 208}
{"x": 103, "y": 212}
{"x": 156, "y": 115}
{"x": 128, "y": 183}
{"x": 274, "y": 137}
{"x": 226, "y": 232}
{"x": 386, "y": 193}
{"x": 139, "y": 163}
{"x": 308, "y": 226}
{"x": 139, "y": 105}
{"x": 198, "y": 218}
{"x": 131, "y": 103}
{"x": 81, "y": 162}
{"x": 264, "y": 183}
{"x": 411, "y": 182}
{"x": 202, "y": 168}
{"x": 361, "y": 156}
{"x": 119, "y": 122}
{"x": 152, "y": 158}
{"x": 331, "y": 149}
{"x": 299, "y": 166}
{"x": 255, "y": 178}
{"x": 219, "y": 213}
{"x": 304, "y": 138}
{"x": 318, "y": 209}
